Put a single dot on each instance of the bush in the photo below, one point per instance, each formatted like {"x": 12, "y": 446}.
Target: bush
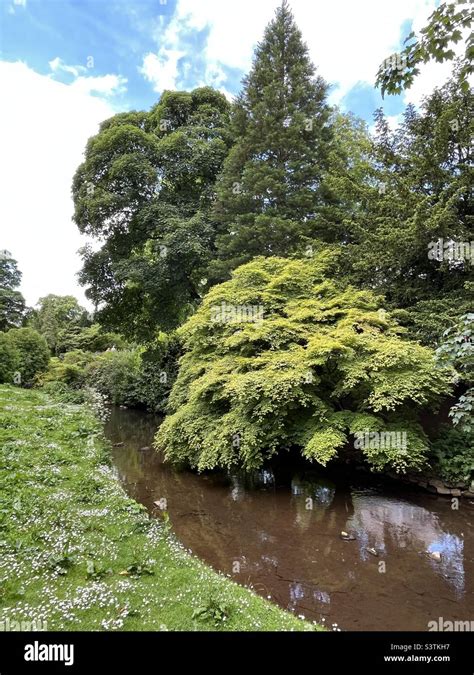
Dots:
{"x": 33, "y": 353}
{"x": 63, "y": 392}
{"x": 159, "y": 369}
{"x": 9, "y": 358}
{"x": 70, "y": 368}
{"x": 453, "y": 455}
{"x": 116, "y": 375}
{"x": 284, "y": 355}
{"x": 129, "y": 377}
{"x": 88, "y": 339}
{"x": 457, "y": 350}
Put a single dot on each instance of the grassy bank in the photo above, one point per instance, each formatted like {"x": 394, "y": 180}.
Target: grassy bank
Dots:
{"x": 78, "y": 554}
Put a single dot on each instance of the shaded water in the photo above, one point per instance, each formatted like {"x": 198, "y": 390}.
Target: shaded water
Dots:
{"x": 261, "y": 530}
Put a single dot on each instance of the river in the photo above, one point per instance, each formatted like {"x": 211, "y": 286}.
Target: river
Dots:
{"x": 408, "y": 559}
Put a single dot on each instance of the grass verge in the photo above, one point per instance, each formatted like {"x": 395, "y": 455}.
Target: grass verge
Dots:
{"x": 78, "y": 554}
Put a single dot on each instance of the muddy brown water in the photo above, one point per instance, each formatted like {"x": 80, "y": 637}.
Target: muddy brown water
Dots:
{"x": 279, "y": 530}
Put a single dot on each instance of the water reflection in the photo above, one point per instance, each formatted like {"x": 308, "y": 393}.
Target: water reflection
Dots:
{"x": 410, "y": 527}
{"x": 280, "y": 530}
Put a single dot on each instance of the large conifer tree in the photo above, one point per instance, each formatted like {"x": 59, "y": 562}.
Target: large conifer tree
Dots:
{"x": 270, "y": 188}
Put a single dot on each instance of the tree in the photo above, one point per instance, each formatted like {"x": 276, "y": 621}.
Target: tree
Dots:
{"x": 9, "y": 359}
{"x": 33, "y": 353}
{"x": 145, "y": 189}
{"x": 54, "y": 315}
{"x": 457, "y": 350}
{"x": 444, "y": 29}
{"x": 285, "y": 355}
{"x": 88, "y": 339}
{"x": 411, "y": 238}
{"x": 12, "y": 303}
{"x": 269, "y": 192}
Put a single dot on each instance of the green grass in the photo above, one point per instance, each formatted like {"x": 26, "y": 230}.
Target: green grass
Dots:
{"x": 78, "y": 554}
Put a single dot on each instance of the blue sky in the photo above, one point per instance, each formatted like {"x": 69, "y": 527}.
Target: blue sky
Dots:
{"x": 114, "y": 36}
{"x": 65, "y": 65}
{"x": 115, "y": 33}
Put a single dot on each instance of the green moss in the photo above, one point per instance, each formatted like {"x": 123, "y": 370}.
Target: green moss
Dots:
{"x": 78, "y": 554}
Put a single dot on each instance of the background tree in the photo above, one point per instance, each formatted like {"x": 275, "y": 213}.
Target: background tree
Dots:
{"x": 56, "y": 313}
{"x": 12, "y": 303}
{"x": 145, "y": 189}
{"x": 270, "y": 189}
{"x": 416, "y": 206}
{"x": 88, "y": 338}
{"x": 445, "y": 28}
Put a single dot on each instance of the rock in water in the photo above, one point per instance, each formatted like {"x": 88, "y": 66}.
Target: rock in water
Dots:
{"x": 434, "y": 555}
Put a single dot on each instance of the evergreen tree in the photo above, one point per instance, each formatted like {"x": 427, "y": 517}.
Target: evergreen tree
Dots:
{"x": 269, "y": 192}
{"x": 411, "y": 240}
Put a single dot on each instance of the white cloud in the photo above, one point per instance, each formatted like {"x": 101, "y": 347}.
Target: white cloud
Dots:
{"x": 106, "y": 85}
{"x": 46, "y": 125}
{"x": 162, "y": 69}
{"x": 16, "y": 3}
{"x": 57, "y": 65}
{"x": 347, "y": 40}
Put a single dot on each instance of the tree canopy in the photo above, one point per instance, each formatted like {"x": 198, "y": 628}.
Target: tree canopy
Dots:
{"x": 444, "y": 29}
{"x": 55, "y": 314}
{"x": 146, "y": 188}
{"x": 285, "y": 355}
{"x": 12, "y": 303}
{"x": 269, "y": 192}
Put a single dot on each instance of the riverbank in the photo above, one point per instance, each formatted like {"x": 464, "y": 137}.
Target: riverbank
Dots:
{"x": 78, "y": 554}
{"x": 283, "y": 526}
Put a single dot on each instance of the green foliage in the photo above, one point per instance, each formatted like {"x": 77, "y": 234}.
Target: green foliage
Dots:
{"x": 9, "y": 358}
{"x": 63, "y": 392}
{"x": 269, "y": 191}
{"x": 306, "y": 369}
{"x": 213, "y": 611}
{"x": 140, "y": 377}
{"x": 158, "y": 372}
{"x": 12, "y": 303}
{"x": 56, "y": 314}
{"x": 69, "y": 368}
{"x": 427, "y": 320}
{"x": 116, "y": 375}
{"x": 453, "y": 455}
{"x": 457, "y": 350}
{"x": 88, "y": 339}
{"x": 145, "y": 189}
{"x": 33, "y": 353}
{"x": 444, "y": 29}
{"x": 414, "y": 204}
